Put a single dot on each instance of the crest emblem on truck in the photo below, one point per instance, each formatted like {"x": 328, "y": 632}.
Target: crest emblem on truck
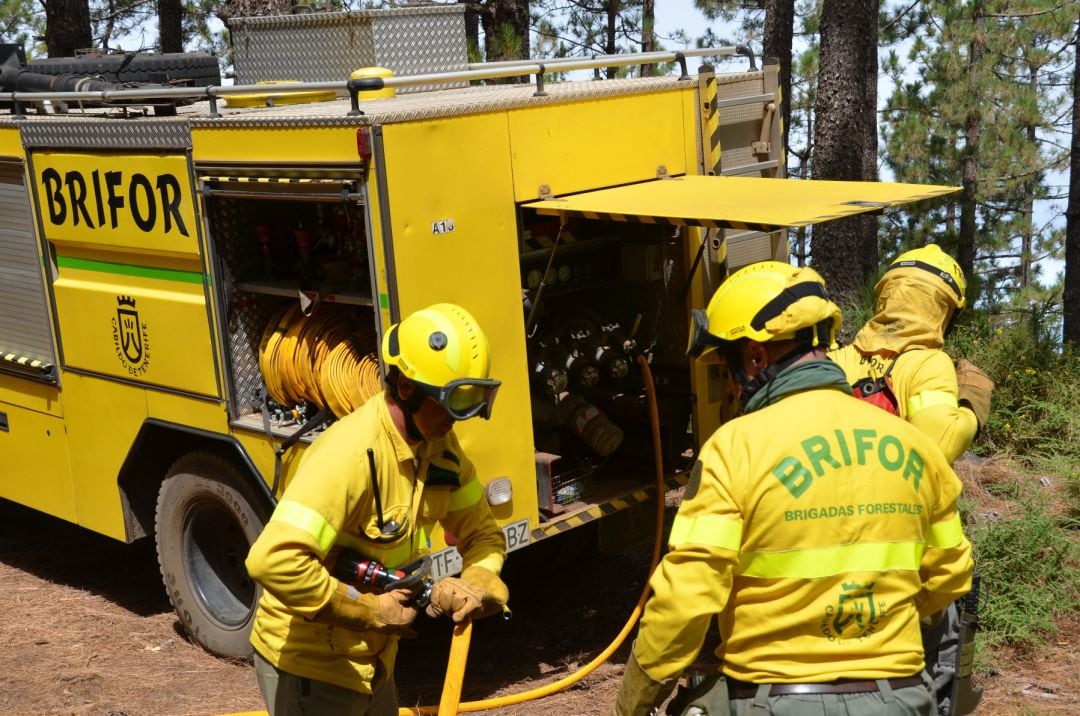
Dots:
{"x": 129, "y": 337}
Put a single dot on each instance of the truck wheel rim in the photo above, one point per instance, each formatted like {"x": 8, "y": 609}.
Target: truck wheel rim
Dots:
{"x": 214, "y": 551}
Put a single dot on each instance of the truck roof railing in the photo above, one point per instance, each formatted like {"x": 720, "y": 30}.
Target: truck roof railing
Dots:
{"x": 475, "y": 71}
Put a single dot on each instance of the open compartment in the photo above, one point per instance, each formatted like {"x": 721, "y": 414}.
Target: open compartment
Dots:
{"x": 294, "y": 263}
{"x": 601, "y": 297}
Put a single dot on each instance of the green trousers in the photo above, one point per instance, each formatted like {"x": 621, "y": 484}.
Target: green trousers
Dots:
{"x": 287, "y": 694}
{"x": 710, "y": 698}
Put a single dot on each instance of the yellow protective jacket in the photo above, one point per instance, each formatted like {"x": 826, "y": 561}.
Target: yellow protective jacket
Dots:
{"x": 911, "y": 313}
{"x": 924, "y": 383}
{"x": 329, "y": 504}
{"x": 818, "y": 530}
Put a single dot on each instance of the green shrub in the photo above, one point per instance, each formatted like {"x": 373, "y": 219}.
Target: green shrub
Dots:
{"x": 1033, "y": 413}
{"x": 1030, "y": 574}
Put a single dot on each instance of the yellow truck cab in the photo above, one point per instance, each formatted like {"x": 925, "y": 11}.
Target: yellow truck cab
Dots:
{"x": 196, "y": 279}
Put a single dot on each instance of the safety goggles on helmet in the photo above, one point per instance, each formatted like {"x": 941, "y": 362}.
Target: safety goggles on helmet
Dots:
{"x": 701, "y": 340}
{"x": 464, "y": 398}
{"x": 940, "y": 273}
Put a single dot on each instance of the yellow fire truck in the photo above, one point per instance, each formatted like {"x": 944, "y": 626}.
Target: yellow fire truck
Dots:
{"x": 195, "y": 279}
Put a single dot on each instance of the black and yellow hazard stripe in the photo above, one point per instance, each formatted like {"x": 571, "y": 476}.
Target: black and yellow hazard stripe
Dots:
{"x": 710, "y": 128}
{"x": 676, "y": 220}
{"x": 26, "y": 363}
{"x": 535, "y": 242}
{"x": 605, "y": 508}
{"x": 290, "y": 180}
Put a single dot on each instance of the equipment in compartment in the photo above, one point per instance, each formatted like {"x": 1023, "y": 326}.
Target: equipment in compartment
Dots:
{"x": 301, "y": 330}
{"x": 600, "y": 295}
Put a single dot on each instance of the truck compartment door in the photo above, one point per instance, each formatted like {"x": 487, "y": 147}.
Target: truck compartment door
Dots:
{"x": 731, "y": 202}
{"x": 747, "y": 203}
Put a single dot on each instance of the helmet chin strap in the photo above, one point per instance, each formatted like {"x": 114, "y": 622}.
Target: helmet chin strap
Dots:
{"x": 411, "y": 407}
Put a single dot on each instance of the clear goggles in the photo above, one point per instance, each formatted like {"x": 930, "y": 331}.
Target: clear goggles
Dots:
{"x": 465, "y": 398}
{"x": 701, "y": 341}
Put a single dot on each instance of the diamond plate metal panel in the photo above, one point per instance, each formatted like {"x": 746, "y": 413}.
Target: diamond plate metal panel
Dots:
{"x": 247, "y": 314}
{"x": 421, "y": 43}
{"x": 325, "y": 47}
{"x": 144, "y": 134}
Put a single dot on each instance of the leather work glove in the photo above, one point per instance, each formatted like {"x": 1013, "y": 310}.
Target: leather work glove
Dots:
{"x": 455, "y": 597}
{"x": 974, "y": 389}
{"x": 496, "y": 595}
{"x": 389, "y": 612}
{"x": 639, "y": 693}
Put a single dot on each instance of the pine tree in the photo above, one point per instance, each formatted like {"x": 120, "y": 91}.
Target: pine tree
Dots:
{"x": 972, "y": 105}
{"x": 594, "y": 27}
{"x": 1072, "y": 231}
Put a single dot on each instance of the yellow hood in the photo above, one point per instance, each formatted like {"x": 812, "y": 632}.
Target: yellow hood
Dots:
{"x": 912, "y": 310}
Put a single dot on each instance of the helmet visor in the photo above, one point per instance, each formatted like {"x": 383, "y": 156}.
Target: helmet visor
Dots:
{"x": 465, "y": 398}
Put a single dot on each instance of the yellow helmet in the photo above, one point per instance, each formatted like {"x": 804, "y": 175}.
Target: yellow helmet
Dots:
{"x": 766, "y": 301}
{"x": 443, "y": 351}
{"x": 931, "y": 259}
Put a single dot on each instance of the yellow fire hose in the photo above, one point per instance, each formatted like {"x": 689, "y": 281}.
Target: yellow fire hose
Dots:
{"x": 459, "y": 647}
{"x": 455, "y": 669}
{"x": 326, "y": 358}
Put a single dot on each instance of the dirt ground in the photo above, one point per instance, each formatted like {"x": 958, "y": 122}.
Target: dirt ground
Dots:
{"x": 85, "y": 628}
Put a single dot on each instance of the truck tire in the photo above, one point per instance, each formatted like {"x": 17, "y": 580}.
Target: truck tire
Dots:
{"x": 206, "y": 521}
{"x": 200, "y": 68}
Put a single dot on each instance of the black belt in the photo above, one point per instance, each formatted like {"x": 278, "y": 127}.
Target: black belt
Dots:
{"x": 747, "y": 690}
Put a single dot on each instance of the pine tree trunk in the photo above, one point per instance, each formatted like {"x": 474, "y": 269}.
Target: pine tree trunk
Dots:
{"x": 1027, "y": 228}
{"x": 67, "y": 27}
{"x": 612, "y": 13}
{"x": 648, "y": 38}
{"x": 170, "y": 25}
{"x": 1072, "y": 215}
{"x": 779, "y": 30}
{"x": 872, "y": 254}
{"x": 841, "y": 249}
{"x": 972, "y": 137}
{"x": 472, "y": 31}
{"x": 506, "y": 30}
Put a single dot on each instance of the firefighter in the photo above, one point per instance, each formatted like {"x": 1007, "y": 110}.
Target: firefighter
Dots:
{"x": 376, "y": 482}
{"x": 896, "y": 361}
{"x": 897, "y": 355}
{"x": 817, "y": 529}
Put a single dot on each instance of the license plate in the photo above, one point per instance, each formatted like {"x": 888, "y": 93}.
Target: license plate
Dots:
{"x": 447, "y": 561}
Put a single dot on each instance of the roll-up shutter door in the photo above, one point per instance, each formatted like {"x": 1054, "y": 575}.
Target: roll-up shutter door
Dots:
{"x": 26, "y": 344}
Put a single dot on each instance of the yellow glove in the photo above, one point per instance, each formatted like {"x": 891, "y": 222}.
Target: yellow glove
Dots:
{"x": 496, "y": 595}
{"x": 639, "y": 693}
{"x": 456, "y": 598}
{"x": 389, "y": 612}
{"x": 974, "y": 389}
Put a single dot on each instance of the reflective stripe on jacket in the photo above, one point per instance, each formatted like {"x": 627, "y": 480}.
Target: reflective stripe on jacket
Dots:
{"x": 819, "y": 529}
{"x": 328, "y": 504}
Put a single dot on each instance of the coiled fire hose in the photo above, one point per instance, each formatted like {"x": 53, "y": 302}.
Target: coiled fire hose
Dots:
{"x": 460, "y": 644}
{"x": 326, "y": 358}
